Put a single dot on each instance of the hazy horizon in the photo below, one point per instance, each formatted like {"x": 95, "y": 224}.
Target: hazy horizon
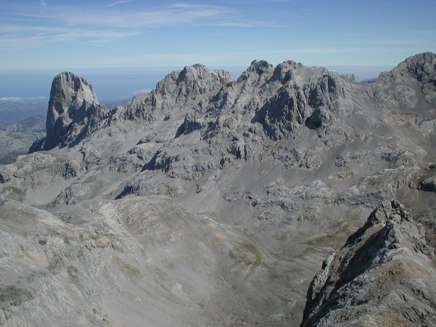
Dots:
{"x": 25, "y": 93}
{"x": 113, "y": 84}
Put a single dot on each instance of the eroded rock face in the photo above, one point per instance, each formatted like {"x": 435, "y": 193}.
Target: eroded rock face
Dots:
{"x": 421, "y": 67}
{"x": 73, "y": 105}
{"x": 384, "y": 275}
{"x": 178, "y": 89}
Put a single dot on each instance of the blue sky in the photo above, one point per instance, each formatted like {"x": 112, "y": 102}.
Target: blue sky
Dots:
{"x": 49, "y": 34}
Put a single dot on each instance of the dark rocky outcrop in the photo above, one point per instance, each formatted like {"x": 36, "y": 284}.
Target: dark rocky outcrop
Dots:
{"x": 384, "y": 275}
{"x": 429, "y": 184}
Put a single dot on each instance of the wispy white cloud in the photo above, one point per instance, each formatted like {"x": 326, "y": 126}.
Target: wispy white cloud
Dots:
{"x": 18, "y": 99}
{"x": 120, "y": 2}
{"x": 10, "y": 99}
{"x": 12, "y": 36}
{"x": 64, "y": 24}
{"x": 249, "y": 24}
{"x": 174, "y": 15}
{"x": 105, "y": 24}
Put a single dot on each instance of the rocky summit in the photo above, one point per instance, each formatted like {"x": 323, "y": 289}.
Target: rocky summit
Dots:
{"x": 384, "y": 275}
{"x": 213, "y": 201}
{"x": 72, "y": 111}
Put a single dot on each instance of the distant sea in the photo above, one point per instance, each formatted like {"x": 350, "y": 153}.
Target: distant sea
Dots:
{"x": 25, "y": 93}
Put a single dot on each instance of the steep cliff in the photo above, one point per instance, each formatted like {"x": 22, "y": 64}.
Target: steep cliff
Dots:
{"x": 73, "y": 111}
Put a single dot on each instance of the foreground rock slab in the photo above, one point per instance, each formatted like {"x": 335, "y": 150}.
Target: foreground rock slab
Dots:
{"x": 384, "y": 275}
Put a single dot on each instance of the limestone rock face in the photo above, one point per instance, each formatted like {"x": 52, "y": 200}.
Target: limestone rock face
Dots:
{"x": 422, "y": 67}
{"x": 384, "y": 275}
{"x": 176, "y": 90}
{"x": 73, "y": 103}
{"x": 411, "y": 83}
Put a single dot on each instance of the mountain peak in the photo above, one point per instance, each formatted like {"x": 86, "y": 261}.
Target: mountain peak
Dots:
{"x": 71, "y": 86}
{"x": 201, "y": 72}
{"x": 197, "y": 78}
{"x": 71, "y": 98}
{"x": 259, "y": 67}
{"x": 421, "y": 67}
{"x": 176, "y": 89}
